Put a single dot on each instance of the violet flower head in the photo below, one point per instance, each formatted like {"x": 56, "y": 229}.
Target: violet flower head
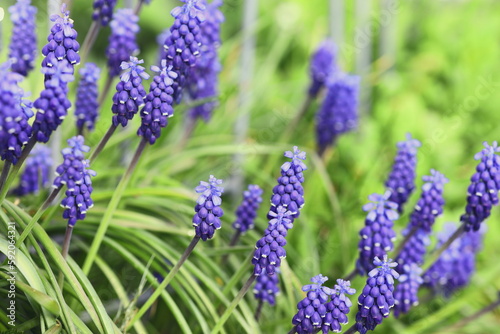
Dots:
{"x": 339, "y": 112}
{"x": 377, "y": 236}
{"x": 323, "y": 65}
{"x": 35, "y": 176}
{"x": 266, "y": 288}
{"x": 401, "y": 180}
{"x": 377, "y": 297}
{"x": 103, "y": 11}
{"x": 247, "y": 211}
{"x": 482, "y": 193}
{"x": 159, "y": 101}
{"x": 22, "y": 48}
{"x": 208, "y": 211}
{"x": 338, "y": 307}
{"x": 87, "y": 105}
{"x": 406, "y": 292}
{"x": 130, "y": 94}
{"x": 122, "y": 41}
{"x": 414, "y": 250}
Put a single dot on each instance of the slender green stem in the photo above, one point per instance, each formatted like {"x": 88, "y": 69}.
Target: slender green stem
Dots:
{"x": 138, "y": 7}
{"x": 103, "y": 142}
{"x": 351, "y": 275}
{"x": 258, "y": 311}
{"x": 113, "y": 204}
{"x": 145, "y": 307}
{"x": 233, "y": 242}
{"x": 5, "y": 172}
{"x": 293, "y": 330}
{"x": 476, "y": 315}
{"x": 64, "y": 252}
{"x": 105, "y": 89}
{"x": 227, "y": 313}
{"x": 89, "y": 41}
{"x": 435, "y": 255}
{"x": 351, "y": 330}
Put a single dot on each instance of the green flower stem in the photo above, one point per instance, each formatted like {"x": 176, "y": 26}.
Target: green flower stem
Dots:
{"x": 89, "y": 40}
{"x": 113, "y": 204}
{"x": 475, "y": 316}
{"x": 351, "y": 275}
{"x": 435, "y": 255}
{"x": 105, "y": 89}
{"x": 233, "y": 242}
{"x": 64, "y": 252}
{"x": 234, "y": 303}
{"x": 258, "y": 311}
{"x": 165, "y": 282}
{"x": 5, "y": 172}
{"x": 103, "y": 142}
{"x": 351, "y": 330}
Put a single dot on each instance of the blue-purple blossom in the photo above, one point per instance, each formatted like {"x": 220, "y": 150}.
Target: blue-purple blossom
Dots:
{"x": 23, "y": 43}
{"x": 323, "y": 65}
{"x": 266, "y": 288}
{"x": 339, "y": 112}
{"x": 208, "y": 211}
{"x": 122, "y": 41}
{"x": 35, "y": 176}
{"x": 377, "y": 297}
{"x": 414, "y": 249}
{"x": 482, "y": 193}
{"x": 401, "y": 180}
{"x": 406, "y": 292}
{"x": 247, "y": 211}
{"x": 87, "y": 105}
{"x": 377, "y": 236}
{"x": 159, "y": 101}
{"x": 130, "y": 93}
{"x": 338, "y": 307}
{"x": 103, "y": 11}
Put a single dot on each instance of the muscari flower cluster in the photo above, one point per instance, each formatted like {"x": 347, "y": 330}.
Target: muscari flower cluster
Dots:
{"x": 406, "y": 292}
{"x": 266, "y": 288}
{"x": 482, "y": 193}
{"x": 247, "y": 211}
{"x": 377, "y": 236}
{"x": 86, "y": 106}
{"x": 61, "y": 54}
{"x": 74, "y": 172}
{"x": 338, "y": 113}
{"x": 35, "y": 176}
{"x": 122, "y": 41}
{"x": 202, "y": 82}
{"x": 286, "y": 202}
{"x": 208, "y": 211}
{"x": 323, "y": 309}
{"x": 377, "y": 298}
{"x": 22, "y": 48}
{"x": 401, "y": 180}
{"x": 158, "y": 103}
{"x": 103, "y": 11}
{"x": 323, "y": 64}
{"x": 130, "y": 93}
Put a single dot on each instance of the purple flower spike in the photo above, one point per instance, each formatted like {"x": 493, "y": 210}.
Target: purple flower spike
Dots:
{"x": 122, "y": 41}
{"x": 103, "y": 11}
{"x": 323, "y": 65}
{"x": 401, "y": 180}
{"x": 159, "y": 101}
{"x": 377, "y": 297}
{"x": 377, "y": 236}
{"x": 414, "y": 250}
{"x": 22, "y": 48}
{"x": 247, "y": 211}
{"x": 266, "y": 288}
{"x": 482, "y": 193}
{"x": 87, "y": 105}
{"x": 406, "y": 292}
{"x": 192, "y": 8}
{"x": 35, "y": 176}
{"x": 208, "y": 210}
{"x": 338, "y": 307}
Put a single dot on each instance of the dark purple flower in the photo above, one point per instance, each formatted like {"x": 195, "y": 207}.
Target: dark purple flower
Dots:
{"x": 36, "y": 172}
{"x": 208, "y": 211}
{"x": 103, "y": 11}
{"x": 377, "y": 236}
{"x": 338, "y": 307}
{"x": 266, "y": 288}
{"x": 247, "y": 211}
{"x": 158, "y": 107}
{"x": 401, "y": 180}
{"x": 339, "y": 112}
{"x": 482, "y": 193}
{"x": 23, "y": 44}
{"x": 414, "y": 250}
{"x": 406, "y": 292}
{"x": 86, "y": 106}
{"x": 323, "y": 65}
{"x": 122, "y": 41}
{"x": 377, "y": 297}
{"x": 130, "y": 93}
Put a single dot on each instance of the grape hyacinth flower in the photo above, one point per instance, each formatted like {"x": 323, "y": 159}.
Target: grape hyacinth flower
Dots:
{"x": 36, "y": 172}
{"x": 377, "y": 236}
{"x": 401, "y": 180}
{"x": 338, "y": 307}
{"x": 406, "y": 292}
{"x": 377, "y": 297}
{"x": 266, "y": 288}
{"x": 208, "y": 210}
{"x": 338, "y": 113}
{"x": 122, "y": 41}
{"x": 103, "y": 11}
{"x": 482, "y": 193}
{"x": 22, "y": 48}
{"x": 414, "y": 250}
{"x": 158, "y": 103}
{"x": 130, "y": 93}
{"x": 323, "y": 65}
{"x": 247, "y": 211}
{"x": 86, "y": 106}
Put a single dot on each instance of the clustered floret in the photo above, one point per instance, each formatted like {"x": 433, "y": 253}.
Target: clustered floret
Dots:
{"x": 208, "y": 211}
{"x": 87, "y": 105}
{"x": 247, "y": 211}
{"x": 103, "y": 11}
{"x": 406, "y": 292}
{"x": 35, "y": 176}
{"x": 266, "y": 288}
{"x": 23, "y": 43}
{"x": 323, "y": 65}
